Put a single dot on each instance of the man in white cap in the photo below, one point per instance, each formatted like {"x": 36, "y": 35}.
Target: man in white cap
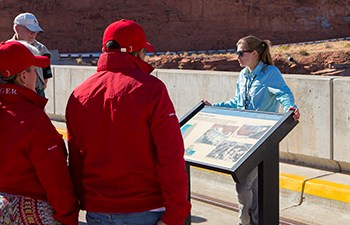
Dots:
{"x": 26, "y": 27}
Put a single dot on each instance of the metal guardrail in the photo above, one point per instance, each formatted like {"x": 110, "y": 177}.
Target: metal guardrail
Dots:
{"x": 220, "y": 51}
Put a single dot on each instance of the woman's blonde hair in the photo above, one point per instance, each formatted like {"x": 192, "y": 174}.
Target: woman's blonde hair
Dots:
{"x": 261, "y": 46}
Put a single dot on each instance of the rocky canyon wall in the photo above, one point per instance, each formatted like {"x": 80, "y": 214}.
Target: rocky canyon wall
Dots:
{"x": 174, "y": 25}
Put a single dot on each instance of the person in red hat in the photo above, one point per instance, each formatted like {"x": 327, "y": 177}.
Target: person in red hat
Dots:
{"x": 125, "y": 145}
{"x": 35, "y": 185}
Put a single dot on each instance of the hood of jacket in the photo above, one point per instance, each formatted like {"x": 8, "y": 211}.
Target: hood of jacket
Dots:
{"x": 119, "y": 60}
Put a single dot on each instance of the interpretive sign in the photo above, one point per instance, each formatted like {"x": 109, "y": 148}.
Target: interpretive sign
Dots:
{"x": 222, "y": 138}
{"x": 235, "y": 142}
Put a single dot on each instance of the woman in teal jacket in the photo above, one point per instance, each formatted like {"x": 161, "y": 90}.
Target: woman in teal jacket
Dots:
{"x": 260, "y": 87}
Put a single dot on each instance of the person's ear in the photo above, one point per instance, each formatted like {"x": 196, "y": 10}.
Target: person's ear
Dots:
{"x": 22, "y": 78}
{"x": 256, "y": 54}
{"x": 15, "y": 28}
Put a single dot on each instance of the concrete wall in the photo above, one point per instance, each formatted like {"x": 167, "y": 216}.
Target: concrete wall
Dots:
{"x": 321, "y": 137}
{"x": 341, "y": 119}
{"x": 313, "y": 96}
{"x": 65, "y": 79}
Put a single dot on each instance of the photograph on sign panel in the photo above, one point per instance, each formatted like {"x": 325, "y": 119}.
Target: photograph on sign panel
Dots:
{"x": 216, "y": 134}
{"x": 229, "y": 150}
{"x": 252, "y": 131}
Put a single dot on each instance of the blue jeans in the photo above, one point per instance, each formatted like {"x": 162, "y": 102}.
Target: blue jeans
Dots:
{"x": 139, "y": 218}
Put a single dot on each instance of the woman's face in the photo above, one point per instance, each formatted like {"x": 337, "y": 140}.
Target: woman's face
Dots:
{"x": 246, "y": 57}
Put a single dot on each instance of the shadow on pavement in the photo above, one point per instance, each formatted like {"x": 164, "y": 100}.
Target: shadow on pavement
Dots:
{"x": 197, "y": 219}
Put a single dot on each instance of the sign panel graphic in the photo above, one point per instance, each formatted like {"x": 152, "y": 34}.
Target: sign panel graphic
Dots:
{"x": 221, "y": 137}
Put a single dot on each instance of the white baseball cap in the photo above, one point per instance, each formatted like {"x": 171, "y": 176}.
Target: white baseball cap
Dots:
{"x": 29, "y": 21}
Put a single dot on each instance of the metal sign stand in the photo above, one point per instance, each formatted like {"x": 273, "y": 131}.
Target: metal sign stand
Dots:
{"x": 265, "y": 157}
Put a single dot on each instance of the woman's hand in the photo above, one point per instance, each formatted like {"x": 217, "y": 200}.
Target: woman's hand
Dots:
{"x": 296, "y": 114}
{"x": 206, "y": 102}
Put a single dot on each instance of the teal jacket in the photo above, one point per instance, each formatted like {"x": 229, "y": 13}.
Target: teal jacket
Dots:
{"x": 261, "y": 90}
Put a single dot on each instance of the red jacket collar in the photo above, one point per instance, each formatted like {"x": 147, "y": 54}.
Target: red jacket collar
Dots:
{"x": 116, "y": 61}
{"x": 15, "y": 93}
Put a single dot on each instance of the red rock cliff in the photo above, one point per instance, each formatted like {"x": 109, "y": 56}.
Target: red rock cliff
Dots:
{"x": 77, "y": 26}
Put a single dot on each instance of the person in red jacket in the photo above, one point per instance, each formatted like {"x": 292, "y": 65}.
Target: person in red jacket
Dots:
{"x": 125, "y": 145}
{"x": 35, "y": 185}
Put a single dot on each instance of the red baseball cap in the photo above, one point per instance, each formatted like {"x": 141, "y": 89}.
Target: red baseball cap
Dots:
{"x": 130, "y": 36}
{"x": 15, "y": 57}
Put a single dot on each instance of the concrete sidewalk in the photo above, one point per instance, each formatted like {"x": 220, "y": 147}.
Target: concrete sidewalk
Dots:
{"x": 307, "y": 195}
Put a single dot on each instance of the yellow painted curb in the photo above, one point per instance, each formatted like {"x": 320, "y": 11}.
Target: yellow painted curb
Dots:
{"x": 291, "y": 182}
{"x": 326, "y": 189}
{"x": 316, "y": 187}
{"x": 62, "y": 131}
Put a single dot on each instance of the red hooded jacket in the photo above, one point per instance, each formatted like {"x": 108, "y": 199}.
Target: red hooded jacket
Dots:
{"x": 33, "y": 154}
{"x": 125, "y": 145}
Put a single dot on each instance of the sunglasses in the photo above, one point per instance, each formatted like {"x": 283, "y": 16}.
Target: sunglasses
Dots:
{"x": 241, "y": 52}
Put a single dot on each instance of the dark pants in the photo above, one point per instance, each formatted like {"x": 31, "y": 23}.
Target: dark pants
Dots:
{"x": 40, "y": 92}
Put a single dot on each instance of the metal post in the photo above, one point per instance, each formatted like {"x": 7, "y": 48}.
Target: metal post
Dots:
{"x": 268, "y": 176}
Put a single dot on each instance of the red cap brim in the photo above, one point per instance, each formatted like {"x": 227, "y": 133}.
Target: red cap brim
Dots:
{"x": 149, "y": 47}
{"x": 42, "y": 61}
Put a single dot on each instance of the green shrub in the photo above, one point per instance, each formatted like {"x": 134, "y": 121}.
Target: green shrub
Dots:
{"x": 283, "y": 47}
{"x": 303, "y": 52}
